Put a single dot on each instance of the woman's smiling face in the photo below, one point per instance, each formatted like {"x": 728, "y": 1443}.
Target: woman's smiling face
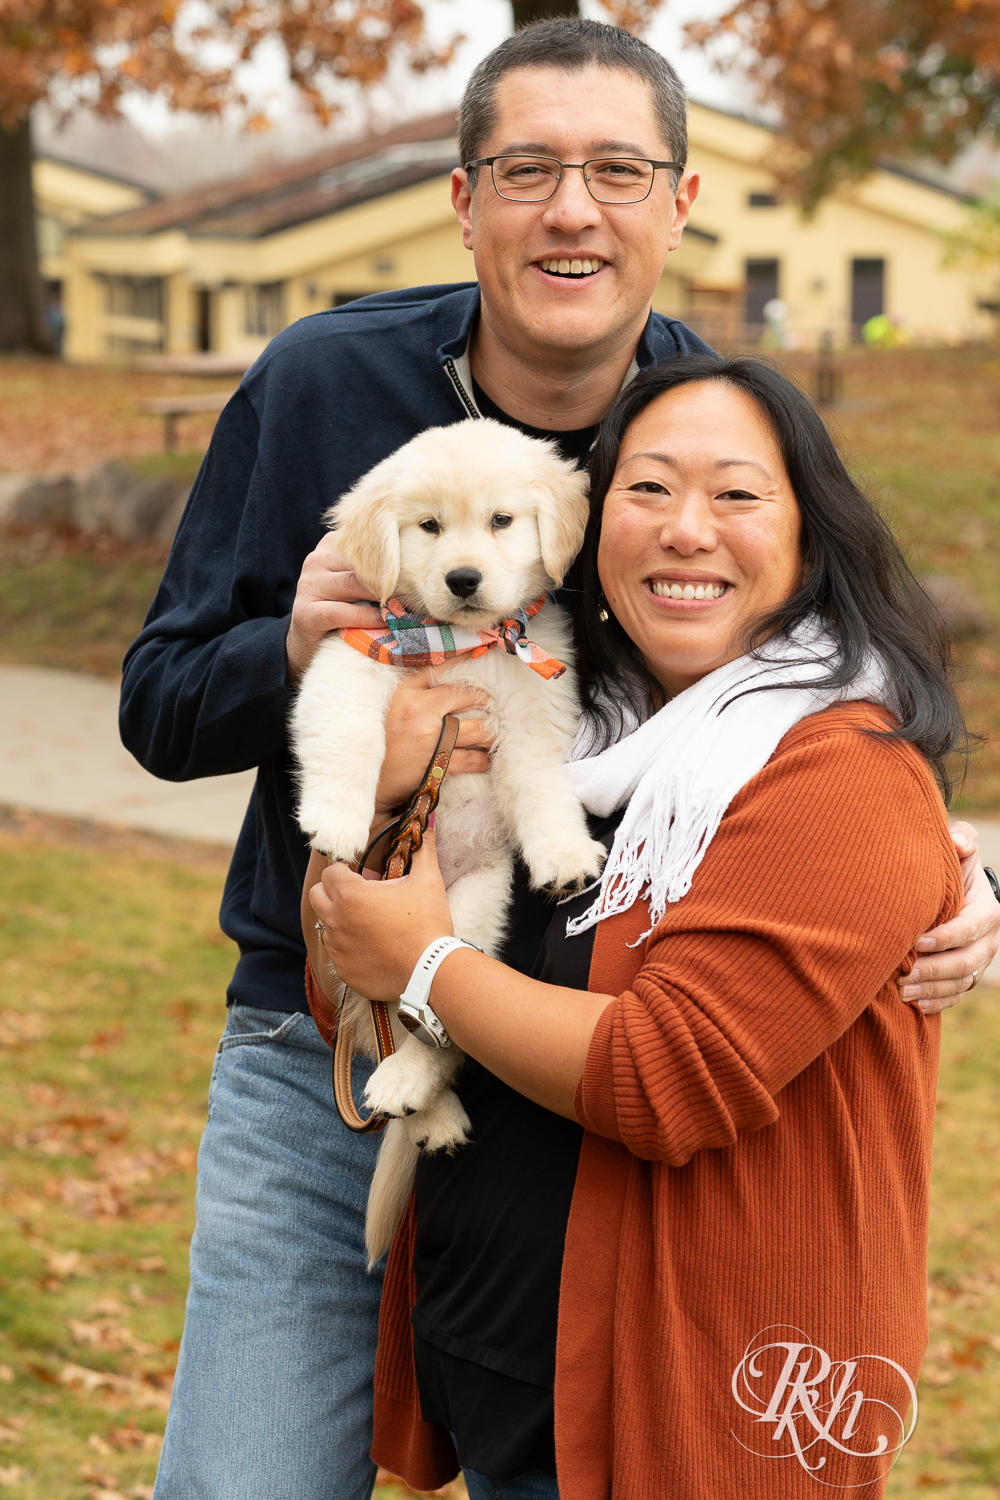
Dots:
{"x": 701, "y": 530}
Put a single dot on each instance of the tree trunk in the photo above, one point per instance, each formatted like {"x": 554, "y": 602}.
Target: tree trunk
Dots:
{"x": 541, "y": 10}
{"x": 22, "y": 305}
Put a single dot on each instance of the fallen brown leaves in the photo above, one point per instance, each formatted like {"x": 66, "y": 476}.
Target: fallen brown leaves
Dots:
{"x": 57, "y": 418}
{"x": 20, "y": 1028}
{"x": 149, "y": 1390}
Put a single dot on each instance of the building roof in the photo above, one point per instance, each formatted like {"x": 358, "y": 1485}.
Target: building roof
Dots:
{"x": 278, "y": 198}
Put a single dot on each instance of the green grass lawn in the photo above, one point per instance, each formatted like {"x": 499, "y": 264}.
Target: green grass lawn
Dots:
{"x": 113, "y": 974}
{"x": 112, "y": 982}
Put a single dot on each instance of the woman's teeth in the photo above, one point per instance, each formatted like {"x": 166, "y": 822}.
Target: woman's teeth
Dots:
{"x": 571, "y": 267}
{"x": 688, "y": 590}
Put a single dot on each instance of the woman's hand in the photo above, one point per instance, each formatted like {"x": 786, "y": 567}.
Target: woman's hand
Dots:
{"x": 412, "y": 729}
{"x": 964, "y": 946}
{"x": 376, "y": 930}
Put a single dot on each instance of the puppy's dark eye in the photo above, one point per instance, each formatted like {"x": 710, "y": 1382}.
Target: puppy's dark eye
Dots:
{"x": 500, "y": 523}
{"x": 430, "y": 526}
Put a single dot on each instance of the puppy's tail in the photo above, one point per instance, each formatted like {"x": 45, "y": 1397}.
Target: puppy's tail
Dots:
{"x": 390, "y": 1190}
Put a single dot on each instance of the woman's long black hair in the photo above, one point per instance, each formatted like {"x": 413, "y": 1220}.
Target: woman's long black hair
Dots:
{"x": 856, "y": 578}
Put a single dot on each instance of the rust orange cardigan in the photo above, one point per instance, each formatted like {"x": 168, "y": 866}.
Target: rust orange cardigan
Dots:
{"x": 758, "y": 1108}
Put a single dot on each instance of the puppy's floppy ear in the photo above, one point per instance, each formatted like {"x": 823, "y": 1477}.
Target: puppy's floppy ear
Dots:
{"x": 367, "y": 531}
{"x": 562, "y": 518}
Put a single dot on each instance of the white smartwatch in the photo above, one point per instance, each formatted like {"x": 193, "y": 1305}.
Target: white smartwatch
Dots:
{"x": 414, "y": 1008}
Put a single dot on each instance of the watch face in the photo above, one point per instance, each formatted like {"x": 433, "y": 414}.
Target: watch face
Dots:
{"x": 425, "y": 1035}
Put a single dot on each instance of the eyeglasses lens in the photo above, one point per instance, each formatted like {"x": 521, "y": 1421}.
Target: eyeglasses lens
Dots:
{"x": 533, "y": 179}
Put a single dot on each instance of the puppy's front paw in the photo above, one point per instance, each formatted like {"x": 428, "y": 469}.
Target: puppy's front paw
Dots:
{"x": 339, "y": 833}
{"x": 400, "y": 1086}
{"x": 442, "y": 1127}
{"x": 563, "y": 868}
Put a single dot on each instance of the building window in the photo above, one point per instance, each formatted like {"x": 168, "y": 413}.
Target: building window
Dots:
{"x": 761, "y": 288}
{"x": 264, "y": 309}
{"x": 867, "y": 292}
{"x": 133, "y": 315}
{"x": 762, "y": 200}
{"x": 341, "y": 299}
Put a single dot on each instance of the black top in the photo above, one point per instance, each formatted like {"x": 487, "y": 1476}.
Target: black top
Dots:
{"x": 204, "y": 688}
{"x": 491, "y": 1223}
{"x": 576, "y": 444}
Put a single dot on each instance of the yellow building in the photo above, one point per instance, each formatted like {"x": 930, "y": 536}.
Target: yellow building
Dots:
{"x": 67, "y": 196}
{"x": 225, "y": 267}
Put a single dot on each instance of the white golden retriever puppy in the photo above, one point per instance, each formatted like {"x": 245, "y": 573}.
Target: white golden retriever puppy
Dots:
{"x": 465, "y": 525}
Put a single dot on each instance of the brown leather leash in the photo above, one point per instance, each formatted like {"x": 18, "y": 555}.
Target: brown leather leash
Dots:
{"x": 410, "y": 826}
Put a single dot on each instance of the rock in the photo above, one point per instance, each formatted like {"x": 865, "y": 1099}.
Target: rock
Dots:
{"x": 141, "y": 509}
{"x": 962, "y": 612}
{"x": 171, "y": 518}
{"x": 100, "y": 492}
{"x": 37, "y": 501}
{"x": 11, "y": 486}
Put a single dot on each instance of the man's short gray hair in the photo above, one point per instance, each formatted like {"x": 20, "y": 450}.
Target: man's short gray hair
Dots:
{"x": 572, "y": 45}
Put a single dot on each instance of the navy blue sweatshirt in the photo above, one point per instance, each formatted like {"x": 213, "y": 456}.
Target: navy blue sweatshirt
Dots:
{"x": 205, "y": 689}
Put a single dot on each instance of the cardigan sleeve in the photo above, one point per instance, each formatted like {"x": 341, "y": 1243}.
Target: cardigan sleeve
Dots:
{"x": 825, "y": 870}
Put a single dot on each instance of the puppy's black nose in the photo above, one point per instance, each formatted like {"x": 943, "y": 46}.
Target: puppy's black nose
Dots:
{"x": 463, "y": 581}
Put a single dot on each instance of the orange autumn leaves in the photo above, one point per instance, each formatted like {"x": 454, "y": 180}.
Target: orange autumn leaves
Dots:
{"x": 95, "y": 51}
{"x": 854, "y": 82}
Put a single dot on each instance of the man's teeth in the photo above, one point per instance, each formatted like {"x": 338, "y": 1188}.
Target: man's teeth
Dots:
{"x": 572, "y": 267}
{"x": 688, "y": 590}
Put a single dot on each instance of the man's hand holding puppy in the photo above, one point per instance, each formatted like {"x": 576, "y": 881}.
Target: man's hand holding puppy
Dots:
{"x": 328, "y": 597}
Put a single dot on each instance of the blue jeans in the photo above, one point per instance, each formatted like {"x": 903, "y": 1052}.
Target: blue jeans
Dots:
{"x": 273, "y": 1397}
{"x": 533, "y": 1486}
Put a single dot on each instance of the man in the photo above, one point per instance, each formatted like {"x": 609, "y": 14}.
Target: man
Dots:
{"x": 273, "y": 1394}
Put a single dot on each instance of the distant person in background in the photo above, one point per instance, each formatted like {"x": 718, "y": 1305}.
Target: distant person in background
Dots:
{"x": 273, "y": 1397}
{"x": 55, "y": 322}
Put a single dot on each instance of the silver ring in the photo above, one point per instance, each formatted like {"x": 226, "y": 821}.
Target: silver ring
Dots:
{"x": 320, "y": 927}
{"x": 975, "y": 979}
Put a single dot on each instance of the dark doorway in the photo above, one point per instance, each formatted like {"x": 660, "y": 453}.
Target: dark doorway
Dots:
{"x": 867, "y": 292}
{"x": 762, "y": 288}
{"x": 204, "y": 319}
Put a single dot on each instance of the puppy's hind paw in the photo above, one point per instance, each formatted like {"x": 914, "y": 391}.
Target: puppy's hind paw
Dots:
{"x": 400, "y": 1087}
{"x": 442, "y": 1127}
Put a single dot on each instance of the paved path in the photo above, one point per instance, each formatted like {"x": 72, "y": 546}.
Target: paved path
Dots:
{"x": 60, "y": 753}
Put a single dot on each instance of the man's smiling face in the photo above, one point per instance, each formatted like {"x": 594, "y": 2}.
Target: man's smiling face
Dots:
{"x": 518, "y": 247}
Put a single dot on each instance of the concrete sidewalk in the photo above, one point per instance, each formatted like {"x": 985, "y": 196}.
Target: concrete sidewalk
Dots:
{"x": 60, "y": 753}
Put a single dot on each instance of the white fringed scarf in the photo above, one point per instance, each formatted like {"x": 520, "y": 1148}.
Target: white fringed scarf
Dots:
{"x": 679, "y": 771}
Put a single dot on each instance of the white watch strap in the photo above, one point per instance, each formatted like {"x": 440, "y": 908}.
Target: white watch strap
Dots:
{"x": 418, "y": 987}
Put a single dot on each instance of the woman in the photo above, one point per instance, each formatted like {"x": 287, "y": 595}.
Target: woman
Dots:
{"x": 735, "y": 1240}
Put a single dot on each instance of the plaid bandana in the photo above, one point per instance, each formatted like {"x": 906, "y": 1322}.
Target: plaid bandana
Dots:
{"x": 408, "y": 641}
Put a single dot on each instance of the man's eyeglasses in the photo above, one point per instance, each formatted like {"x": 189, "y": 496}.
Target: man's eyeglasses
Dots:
{"x": 609, "y": 179}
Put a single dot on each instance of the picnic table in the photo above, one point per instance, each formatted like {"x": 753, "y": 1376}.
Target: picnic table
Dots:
{"x": 171, "y": 408}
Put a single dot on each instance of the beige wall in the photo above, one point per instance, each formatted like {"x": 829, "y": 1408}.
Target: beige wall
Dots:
{"x": 66, "y": 197}
{"x": 887, "y": 217}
